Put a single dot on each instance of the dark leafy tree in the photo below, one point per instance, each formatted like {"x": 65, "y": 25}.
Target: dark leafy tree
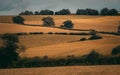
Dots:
{"x": 104, "y": 11}
{"x": 116, "y": 50}
{"x": 48, "y": 21}
{"x": 36, "y": 13}
{"x": 93, "y": 57}
{"x": 81, "y": 12}
{"x": 31, "y": 13}
{"x": 22, "y": 13}
{"x": 68, "y": 24}
{"x": 87, "y": 12}
{"x": 46, "y": 12}
{"x": 9, "y": 51}
{"x": 92, "y": 12}
{"x": 18, "y": 20}
{"x": 63, "y": 12}
{"x": 113, "y": 12}
{"x": 26, "y": 13}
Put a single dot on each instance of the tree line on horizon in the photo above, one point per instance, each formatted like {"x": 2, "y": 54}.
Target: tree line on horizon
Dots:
{"x": 87, "y": 11}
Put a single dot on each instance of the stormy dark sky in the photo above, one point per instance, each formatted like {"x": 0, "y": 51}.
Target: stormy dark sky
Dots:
{"x": 13, "y": 7}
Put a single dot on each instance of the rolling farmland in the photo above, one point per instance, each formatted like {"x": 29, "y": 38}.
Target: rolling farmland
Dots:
{"x": 54, "y": 45}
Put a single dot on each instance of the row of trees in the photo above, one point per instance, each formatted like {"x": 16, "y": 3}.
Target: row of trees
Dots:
{"x": 87, "y": 12}
{"x": 104, "y": 11}
{"x": 47, "y": 21}
{"x": 107, "y": 11}
{"x": 42, "y": 12}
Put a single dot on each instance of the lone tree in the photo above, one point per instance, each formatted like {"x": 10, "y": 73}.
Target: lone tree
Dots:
{"x": 48, "y": 21}
{"x": 9, "y": 50}
{"x": 68, "y": 24}
{"x": 18, "y": 20}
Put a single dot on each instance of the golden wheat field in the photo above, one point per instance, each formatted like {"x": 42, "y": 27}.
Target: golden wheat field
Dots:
{"x": 70, "y": 70}
{"x": 63, "y": 45}
{"x": 16, "y": 28}
{"x": 53, "y": 45}
{"x": 100, "y": 23}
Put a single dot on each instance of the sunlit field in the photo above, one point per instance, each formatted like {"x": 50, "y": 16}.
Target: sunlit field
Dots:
{"x": 100, "y": 23}
{"x": 63, "y": 45}
{"x": 71, "y": 70}
{"x": 60, "y": 45}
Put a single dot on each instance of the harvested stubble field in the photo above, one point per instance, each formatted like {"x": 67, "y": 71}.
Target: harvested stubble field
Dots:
{"x": 70, "y": 70}
{"x": 100, "y": 23}
{"x": 54, "y": 45}
{"x": 16, "y": 28}
{"x": 63, "y": 45}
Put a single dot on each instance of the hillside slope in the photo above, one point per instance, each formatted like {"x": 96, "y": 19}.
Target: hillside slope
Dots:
{"x": 100, "y": 23}
{"x": 103, "y": 46}
{"x": 16, "y": 28}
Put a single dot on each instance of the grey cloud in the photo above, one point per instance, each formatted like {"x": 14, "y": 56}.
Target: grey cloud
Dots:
{"x": 11, "y": 4}
{"x": 16, "y": 6}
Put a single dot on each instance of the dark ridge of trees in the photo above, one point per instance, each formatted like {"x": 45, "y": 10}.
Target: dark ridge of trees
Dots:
{"x": 81, "y": 12}
{"x": 67, "y": 24}
{"x": 10, "y": 50}
{"x": 36, "y": 13}
{"x": 46, "y": 12}
{"x": 26, "y": 13}
{"x": 63, "y": 12}
{"x": 87, "y": 12}
{"x": 48, "y": 21}
{"x": 18, "y": 20}
{"x": 106, "y": 11}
